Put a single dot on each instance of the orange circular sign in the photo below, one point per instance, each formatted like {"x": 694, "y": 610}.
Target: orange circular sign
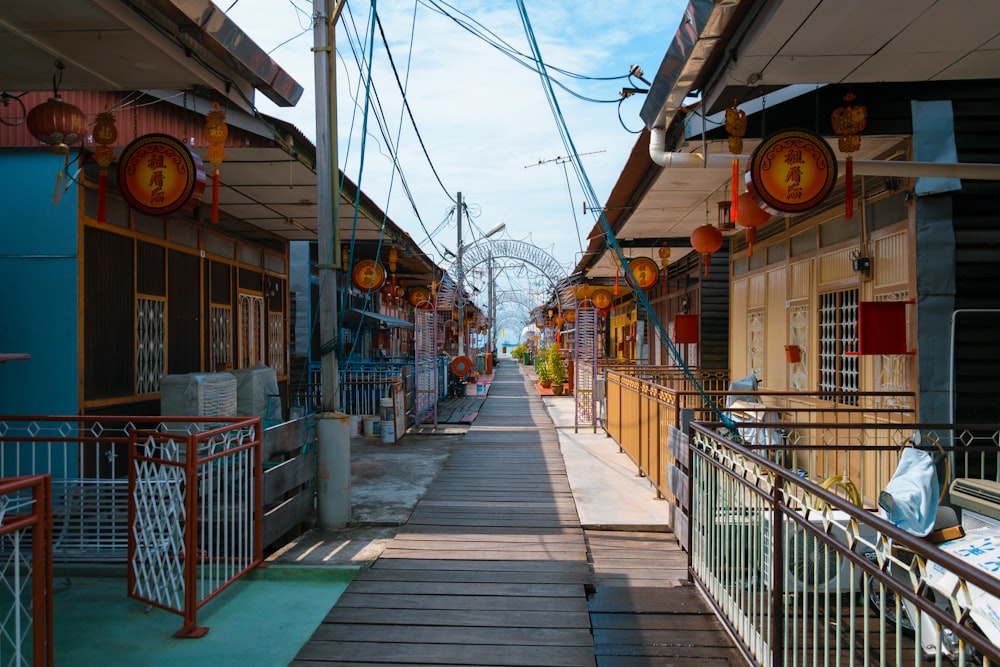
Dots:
{"x": 791, "y": 171}
{"x": 159, "y": 175}
{"x": 602, "y": 299}
{"x": 418, "y": 296}
{"x": 645, "y": 271}
{"x": 368, "y": 275}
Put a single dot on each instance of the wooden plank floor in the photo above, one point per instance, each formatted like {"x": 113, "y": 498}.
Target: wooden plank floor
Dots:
{"x": 493, "y": 568}
{"x": 643, "y": 610}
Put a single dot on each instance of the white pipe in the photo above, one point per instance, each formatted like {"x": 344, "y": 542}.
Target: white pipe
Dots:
{"x": 967, "y": 170}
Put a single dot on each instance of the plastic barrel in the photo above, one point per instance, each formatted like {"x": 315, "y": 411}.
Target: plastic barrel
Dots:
{"x": 387, "y": 425}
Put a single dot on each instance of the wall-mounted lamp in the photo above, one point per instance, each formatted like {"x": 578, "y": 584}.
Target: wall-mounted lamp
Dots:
{"x": 271, "y": 286}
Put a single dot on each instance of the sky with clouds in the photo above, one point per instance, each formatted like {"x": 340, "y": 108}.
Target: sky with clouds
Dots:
{"x": 483, "y": 116}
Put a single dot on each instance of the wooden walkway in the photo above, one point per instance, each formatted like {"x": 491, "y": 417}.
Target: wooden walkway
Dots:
{"x": 493, "y": 568}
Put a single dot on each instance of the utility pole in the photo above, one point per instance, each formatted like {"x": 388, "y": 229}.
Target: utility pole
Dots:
{"x": 493, "y": 310}
{"x": 460, "y": 299}
{"x": 333, "y": 461}
{"x": 327, "y": 191}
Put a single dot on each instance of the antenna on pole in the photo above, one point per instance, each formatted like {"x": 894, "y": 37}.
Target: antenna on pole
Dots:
{"x": 562, "y": 159}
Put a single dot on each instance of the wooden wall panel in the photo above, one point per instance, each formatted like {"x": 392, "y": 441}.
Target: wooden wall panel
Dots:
{"x": 891, "y": 261}
{"x": 738, "y": 330}
{"x": 775, "y": 367}
{"x": 757, "y": 291}
{"x": 800, "y": 285}
{"x": 836, "y": 266}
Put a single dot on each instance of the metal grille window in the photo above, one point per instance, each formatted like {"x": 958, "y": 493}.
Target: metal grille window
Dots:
{"x": 276, "y": 342}
{"x": 838, "y": 325}
{"x": 755, "y": 342}
{"x": 798, "y": 378}
{"x": 150, "y": 341}
{"x": 222, "y": 337}
{"x": 251, "y": 333}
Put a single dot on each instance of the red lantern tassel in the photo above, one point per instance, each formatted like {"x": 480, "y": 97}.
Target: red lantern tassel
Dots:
{"x": 616, "y": 283}
{"x": 215, "y": 196}
{"x": 751, "y": 239}
{"x": 102, "y": 196}
{"x": 849, "y": 189}
{"x": 706, "y": 259}
{"x": 734, "y": 206}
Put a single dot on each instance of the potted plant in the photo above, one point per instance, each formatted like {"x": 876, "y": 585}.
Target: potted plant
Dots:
{"x": 544, "y": 375}
{"x": 557, "y": 368}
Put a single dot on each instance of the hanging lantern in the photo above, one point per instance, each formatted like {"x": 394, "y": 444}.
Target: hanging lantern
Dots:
{"x": 664, "y": 253}
{"x": 105, "y": 133}
{"x": 751, "y": 217}
{"x": 393, "y": 259}
{"x": 736, "y": 127}
{"x": 57, "y": 124}
{"x": 706, "y": 240}
{"x": 725, "y": 223}
{"x": 216, "y": 132}
{"x": 848, "y": 121}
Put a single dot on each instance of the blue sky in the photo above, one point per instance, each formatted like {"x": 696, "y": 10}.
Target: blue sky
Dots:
{"x": 484, "y": 118}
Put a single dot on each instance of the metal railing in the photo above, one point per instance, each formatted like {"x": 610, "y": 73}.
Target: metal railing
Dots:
{"x": 195, "y": 513}
{"x": 804, "y": 576}
{"x": 26, "y": 571}
{"x": 87, "y": 457}
{"x": 362, "y": 386}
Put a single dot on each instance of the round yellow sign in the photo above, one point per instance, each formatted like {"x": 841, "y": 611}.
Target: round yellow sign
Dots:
{"x": 368, "y": 275}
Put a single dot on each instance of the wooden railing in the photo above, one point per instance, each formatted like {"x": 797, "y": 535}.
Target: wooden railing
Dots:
{"x": 641, "y": 413}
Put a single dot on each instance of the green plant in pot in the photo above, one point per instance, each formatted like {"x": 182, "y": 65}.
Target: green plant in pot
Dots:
{"x": 557, "y": 368}
{"x": 544, "y": 373}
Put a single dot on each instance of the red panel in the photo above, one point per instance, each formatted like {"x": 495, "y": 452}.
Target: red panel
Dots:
{"x": 685, "y": 328}
{"x": 882, "y": 327}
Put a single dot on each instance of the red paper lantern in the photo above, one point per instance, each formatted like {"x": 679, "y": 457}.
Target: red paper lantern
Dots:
{"x": 57, "y": 124}
{"x": 706, "y": 240}
{"x": 751, "y": 217}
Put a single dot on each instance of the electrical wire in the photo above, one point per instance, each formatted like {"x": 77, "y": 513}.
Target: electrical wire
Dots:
{"x": 640, "y": 295}
{"x": 406, "y": 106}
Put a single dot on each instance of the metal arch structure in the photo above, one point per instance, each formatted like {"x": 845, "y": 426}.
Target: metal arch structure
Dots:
{"x": 513, "y": 321}
{"x": 479, "y": 253}
{"x": 508, "y": 314}
{"x": 516, "y": 298}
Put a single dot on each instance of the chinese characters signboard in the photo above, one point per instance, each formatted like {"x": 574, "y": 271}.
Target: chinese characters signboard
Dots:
{"x": 791, "y": 171}
{"x": 159, "y": 175}
{"x": 645, "y": 271}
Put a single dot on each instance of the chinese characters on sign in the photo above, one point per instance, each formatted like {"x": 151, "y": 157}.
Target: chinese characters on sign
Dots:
{"x": 159, "y": 175}
{"x": 791, "y": 171}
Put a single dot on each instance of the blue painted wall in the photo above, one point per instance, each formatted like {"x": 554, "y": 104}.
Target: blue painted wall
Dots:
{"x": 39, "y": 277}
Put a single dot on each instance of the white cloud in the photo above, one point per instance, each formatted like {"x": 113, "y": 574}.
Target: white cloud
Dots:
{"x": 483, "y": 118}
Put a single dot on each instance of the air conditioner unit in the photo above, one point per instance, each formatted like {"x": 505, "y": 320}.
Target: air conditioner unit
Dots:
{"x": 979, "y": 500}
{"x": 813, "y": 566}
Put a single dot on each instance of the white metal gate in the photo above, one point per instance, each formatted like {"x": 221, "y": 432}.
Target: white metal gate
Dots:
{"x": 585, "y": 366}
{"x": 425, "y": 366}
